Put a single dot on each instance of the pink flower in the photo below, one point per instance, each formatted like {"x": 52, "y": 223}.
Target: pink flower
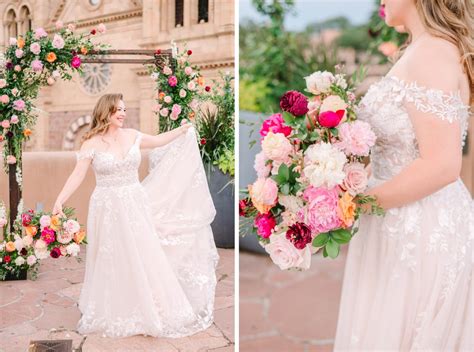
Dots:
{"x": 277, "y": 147}
{"x": 6, "y": 124}
{"x": 194, "y": 104}
{"x": 14, "y": 119}
{"x": 35, "y": 48}
{"x": 101, "y": 28}
{"x": 388, "y": 48}
{"x": 51, "y": 81}
{"x": 65, "y": 237}
{"x": 294, "y": 102}
{"x": 3, "y": 222}
{"x": 265, "y": 224}
{"x": 19, "y": 105}
{"x": 167, "y": 71}
{"x": 3, "y": 83}
{"x": 157, "y": 108}
{"x": 26, "y": 219}
{"x": 299, "y": 234}
{"x": 19, "y": 53}
{"x": 264, "y": 194}
{"x": 4, "y": 99}
{"x": 356, "y": 138}
{"x": 275, "y": 124}
{"x": 15, "y": 92}
{"x": 330, "y": 119}
{"x": 182, "y": 93}
{"x": 176, "y": 110}
{"x": 188, "y": 70}
{"x": 284, "y": 254}
{"x": 71, "y": 226}
{"x": 40, "y": 33}
{"x": 168, "y": 99}
{"x": 13, "y": 41}
{"x": 45, "y": 221}
{"x": 58, "y": 42}
{"x": 164, "y": 112}
{"x": 356, "y": 178}
{"x": 320, "y": 213}
{"x": 191, "y": 85}
{"x": 17, "y": 68}
{"x": 351, "y": 96}
{"x": 76, "y": 62}
{"x": 172, "y": 81}
{"x": 48, "y": 235}
{"x": 59, "y": 24}
{"x": 37, "y": 65}
{"x": 382, "y": 11}
{"x": 11, "y": 159}
{"x": 261, "y": 167}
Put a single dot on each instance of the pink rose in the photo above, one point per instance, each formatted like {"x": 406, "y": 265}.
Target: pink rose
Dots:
{"x": 6, "y": 124}
{"x": 182, "y": 93}
{"x": 330, "y": 119}
{"x": 71, "y": 226}
{"x": 261, "y": 167}
{"x": 172, "y": 81}
{"x": 356, "y": 178}
{"x": 275, "y": 124}
{"x": 101, "y": 28}
{"x": 191, "y": 85}
{"x": 48, "y": 235}
{"x": 17, "y": 68}
{"x": 264, "y": 224}
{"x": 11, "y": 159}
{"x": 168, "y": 99}
{"x": 37, "y": 65}
{"x": 176, "y": 109}
{"x": 58, "y": 42}
{"x": 76, "y": 62}
{"x": 320, "y": 213}
{"x": 4, "y": 99}
{"x": 14, "y": 119}
{"x": 356, "y": 138}
{"x": 3, "y": 83}
{"x": 294, "y": 102}
{"x": 284, "y": 254}
{"x": 40, "y": 33}
{"x": 35, "y": 48}
{"x": 13, "y": 41}
{"x": 167, "y": 71}
{"x": 45, "y": 221}
{"x": 188, "y": 70}
{"x": 164, "y": 112}
{"x": 19, "y": 105}
{"x": 157, "y": 108}
{"x": 19, "y": 53}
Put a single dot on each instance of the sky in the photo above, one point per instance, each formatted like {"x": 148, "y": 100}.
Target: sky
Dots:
{"x": 307, "y": 11}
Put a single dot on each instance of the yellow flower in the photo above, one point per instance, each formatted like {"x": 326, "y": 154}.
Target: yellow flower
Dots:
{"x": 31, "y": 230}
{"x": 346, "y": 209}
{"x": 79, "y": 237}
{"x": 51, "y": 57}
{"x": 20, "y": 42}
{"x": 10, "y": 246}
{"x": 55, "y": 223}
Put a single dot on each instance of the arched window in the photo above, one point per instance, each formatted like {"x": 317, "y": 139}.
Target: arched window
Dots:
{"x": 25, "y": 20}
{"x": 179, "y": 13}
{"x": 203, "y": 11}
{"x": 10, "y": 24}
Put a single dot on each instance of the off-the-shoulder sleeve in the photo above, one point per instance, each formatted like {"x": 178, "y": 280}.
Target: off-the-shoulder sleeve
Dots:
{"x": 85, "y": 154}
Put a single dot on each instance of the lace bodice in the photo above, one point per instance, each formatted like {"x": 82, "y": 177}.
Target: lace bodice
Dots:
{"x": 110, "y": 170}
{"x": 384, "y": 107}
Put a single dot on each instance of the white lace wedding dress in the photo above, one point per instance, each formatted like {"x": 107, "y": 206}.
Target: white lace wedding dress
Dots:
{"x": 408, "y": 279}
{"x": 151, "y": 257}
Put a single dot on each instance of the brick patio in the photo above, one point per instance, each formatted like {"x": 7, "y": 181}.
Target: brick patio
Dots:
{"x": 288, "y": 310}
{"x": 46, "y": 309}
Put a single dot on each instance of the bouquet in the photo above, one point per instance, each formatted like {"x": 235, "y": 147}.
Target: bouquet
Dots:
{"x": 38, "y": 236}
{"x": 309, "y": 191}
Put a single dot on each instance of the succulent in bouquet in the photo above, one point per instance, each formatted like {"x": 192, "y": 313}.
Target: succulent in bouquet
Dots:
{"x": 311, "y": 178}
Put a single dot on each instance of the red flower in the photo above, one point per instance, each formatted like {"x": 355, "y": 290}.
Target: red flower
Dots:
{"x": 330, "y": 119}
{"x": 157, "y": 51}
{"x": 26, "y": 219}
{"x": 208, "y": 89}
{"x": 76, "y": 62}
{"x": 275, "y": 124}
{"x": 294, "y": 102}
{"x": 7, "y": 259}
{"x": 203, "y": 141}
{"x": 24, "y": 251}
{"x": 299, "y": 234}
{"x": 55, "y": 252}
{"x": 265, "y": 224}
{"x": 93, "y": 31}
{"x": 189, "y": 52}
{"x": 244, "y": 205}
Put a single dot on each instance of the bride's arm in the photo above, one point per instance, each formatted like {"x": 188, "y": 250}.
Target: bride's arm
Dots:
{"x": 74, "y": 181}
{"x": 149, "y": 141}
{"x": 440, "y": 155}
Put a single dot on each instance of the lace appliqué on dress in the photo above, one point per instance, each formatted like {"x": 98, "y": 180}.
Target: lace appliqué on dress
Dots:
{"x": 85, "y": 154}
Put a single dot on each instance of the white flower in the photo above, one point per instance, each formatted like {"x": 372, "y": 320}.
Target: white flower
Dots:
{"x": 277, "y": 147}
{"x": 260, "y": 165}
{"x": 27, "y": 241}
{"x": 64, "y": 237}
{"x": 168, "y": 99}
{"x": 19, "y": 244}
{"x": 291, "y": 203}
{"x": 56, "y": 74}
{"x": 324, "y": 165}
{"x": 58, "y": 41}
{"x": 341, "y": 81}
{"x": 154, "y": 76}
{"x": 19, "y": 261}
{"x": 31, "y": 260}
{"x": 13, "y": 41}
{"x": 41, "y": 249}
{"x": 333, "y": 103}
{"x": 319, "y": 82}
{"x": 182, "y": 93}
{"x": 71, "y": 226}
{"x": 73, "y": 249}
{"x": 285, "y": 255}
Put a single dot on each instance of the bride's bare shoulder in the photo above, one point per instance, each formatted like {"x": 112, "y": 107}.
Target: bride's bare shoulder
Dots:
{"x": 91, "y": 143}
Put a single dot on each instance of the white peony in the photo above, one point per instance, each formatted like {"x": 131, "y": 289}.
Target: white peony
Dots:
{"x": 19, "y": 244}
{"x": 19, "y": 261}
{"x": 64, "y": 237}
{"x": 291, "y": 203}
{"x": 333, "y": 103}
{"x": 41, "y": 249}
{"x": 277, "y": 147}
{"x": 319, "y": 82}
{"x": 73, "y": 249}
{"x": 31, "y": 260}
{"x": 341, "y": 81}
{"x": 27, "y": 241}
{"x": 324, "y": 165}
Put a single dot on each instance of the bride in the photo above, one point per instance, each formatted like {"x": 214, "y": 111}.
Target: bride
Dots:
{"x": 151, "y": 257}
{"x": 408, "y": 281}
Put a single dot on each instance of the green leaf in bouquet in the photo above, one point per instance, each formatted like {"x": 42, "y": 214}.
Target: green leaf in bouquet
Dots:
{"x": 284, "y": 172}
{"x": 334, "y": 131}
{"x": 325, "y": 253}
{"x": 320, "y": 240}
{"x": 285, "y": 188}
{"x": 341, "y": 236}
{"x": 332, "y": 248}
{"x": 314, "y": 136}
{"x": 278, "y": 179}
{"x": 289, "y": 119}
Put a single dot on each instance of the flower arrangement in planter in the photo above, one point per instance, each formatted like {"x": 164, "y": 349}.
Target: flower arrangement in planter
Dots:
{"x": 37, "y": 236}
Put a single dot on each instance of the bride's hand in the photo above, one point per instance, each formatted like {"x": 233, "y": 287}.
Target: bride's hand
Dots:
{"x": 58, "y": 209}
{"x": 184, "y": 127}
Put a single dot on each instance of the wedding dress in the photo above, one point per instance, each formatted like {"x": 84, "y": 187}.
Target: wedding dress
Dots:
{"x": 151, "y": 258}
{"x": 408, "y": 279}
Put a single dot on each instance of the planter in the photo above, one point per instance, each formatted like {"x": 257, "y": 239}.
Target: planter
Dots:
{"x": 222, "y": 192}
{"x": 12, "y": 277}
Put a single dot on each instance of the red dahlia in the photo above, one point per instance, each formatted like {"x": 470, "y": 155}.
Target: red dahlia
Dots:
{"x": 299, "y": 234}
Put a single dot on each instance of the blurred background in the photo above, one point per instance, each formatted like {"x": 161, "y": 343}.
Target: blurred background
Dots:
{"x": 282, "y": 41}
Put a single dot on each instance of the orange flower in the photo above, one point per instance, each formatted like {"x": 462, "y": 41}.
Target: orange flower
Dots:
{"x": 79, "y": 237}
{"x": 1, "y": 138}
{"x": 27, "y": 132}
{"x": 55, "y": 223}
{"x": 191, "y": 115}
{"x": 31, "y": 230}
{"x": 10, "y": 246}
{"x": 51, "y": 57}
{"x": 262, "y": 208}
{"x": 201, "y": 81}
{"x": 161, "y": 96}
{"x": 20, "y": 42}
{"x": 346, "y": 209}
{"x": 84, "y": 50}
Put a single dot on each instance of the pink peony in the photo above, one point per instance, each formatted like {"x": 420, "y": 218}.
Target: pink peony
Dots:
{"x": 294, "y": 102}
{"x": 330, "y": 119}
{"x": 277, "y": 147}
{"x": 71, "y": 226}
{"x": 275, "y": 124}
{"x": 19, "y": 53}
{"x": 172, "y": 81}
{"x": 65, "y": 237}
{"x": 299, "y": 234}
{"x": 45, "y": 221}
{"x": 284, "y": 254}
{"x": 58, "y": 41}
{"x": 260, "y": 165}
{"x": 76, "y": 62}
{"x": 356, "y": 138}
{"x": 19, "y": 105}
{"x": 264, "y": 194}
{"x": 164, "y": 112}
{"x": 4, "y": 99}
{"x": 6, "y": 124}
{"x": 48, "y": 235}
{"x": 35, "y": 48}
{"x": 265, "y": 224}
{"x": 356, "y": 178}
{"x": 320, "y": 213}
{"x": 176, "y": 109}
{"x": 11, "y": 159}
{"x": 40, "y": 33}
{"x": 188, "y": 70}
{"x": 101, "y": 28}
{"x": 37, "y": 65}
{"x": 14, "y": 119}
